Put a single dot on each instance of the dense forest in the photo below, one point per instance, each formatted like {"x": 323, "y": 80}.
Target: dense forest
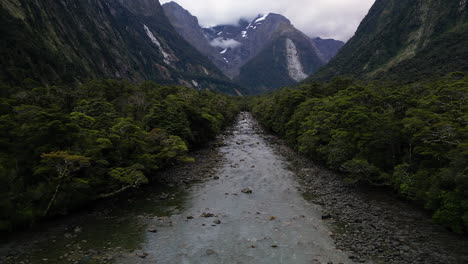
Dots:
{"x": 412, "y": 138}
{"x": 64, "y": 146}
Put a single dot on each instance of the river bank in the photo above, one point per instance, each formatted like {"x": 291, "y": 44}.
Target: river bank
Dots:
{"x": 374, "y": 223}
{"x": 247, "y": 198}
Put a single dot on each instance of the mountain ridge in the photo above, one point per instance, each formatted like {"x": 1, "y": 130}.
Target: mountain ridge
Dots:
{"x": 405, "y": 40}
{"x": 70, "y": 41}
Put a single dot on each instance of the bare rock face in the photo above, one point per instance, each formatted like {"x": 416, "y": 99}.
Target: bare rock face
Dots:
{"x": 295, "y": 69}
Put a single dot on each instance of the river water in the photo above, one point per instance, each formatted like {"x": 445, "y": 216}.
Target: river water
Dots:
{"x": 272, "y": 224}
{"x": 250, "y": 211}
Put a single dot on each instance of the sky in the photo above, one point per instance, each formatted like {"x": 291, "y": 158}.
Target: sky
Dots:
{"x": 336, "y": 19}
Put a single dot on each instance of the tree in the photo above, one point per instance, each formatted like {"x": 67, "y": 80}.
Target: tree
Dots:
{"x": 65, "y": 165}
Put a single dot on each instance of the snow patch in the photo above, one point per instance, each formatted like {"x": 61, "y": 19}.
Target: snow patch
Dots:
{"x": 261, "y": 18}
{"x": 166, "y": 55}
{"x": 244, "y": 34}
{"x": 295, "y": 69}
{"x": 195, "y": 83}
{"x": 224, "y": 51}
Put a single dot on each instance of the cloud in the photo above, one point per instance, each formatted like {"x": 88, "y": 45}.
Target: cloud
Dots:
{"x": 225, "y": 43}
{"x": 337, "y": 19}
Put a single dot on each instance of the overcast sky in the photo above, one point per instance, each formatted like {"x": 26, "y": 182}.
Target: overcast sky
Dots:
{"x": 336, "y": 19}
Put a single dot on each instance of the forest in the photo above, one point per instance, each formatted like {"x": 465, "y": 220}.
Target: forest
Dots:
{"x": 411, "y": 138}
{"x": 62, "y": 147}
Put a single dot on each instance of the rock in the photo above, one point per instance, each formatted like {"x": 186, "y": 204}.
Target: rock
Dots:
{"x": 189, "y": 217}
{"x": 210, "y": 252}
{"x": 217, "y": 222}
{"x": 326, "y": 216}
{"x": 77, "y": 229}
{"x": 216, "y": 177}
{"x": 274, "y": 246}
{"x": 207, "y": 215}
{"x": 246, "y": 190}
{"x": 164, "y": 196}
{"x": 152, "y": 230}
{"x": 272, "y": 218}
{"x": 141, "y": 254}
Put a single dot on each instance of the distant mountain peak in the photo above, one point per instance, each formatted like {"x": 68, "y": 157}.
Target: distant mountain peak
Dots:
{"x": 293, "y": 54}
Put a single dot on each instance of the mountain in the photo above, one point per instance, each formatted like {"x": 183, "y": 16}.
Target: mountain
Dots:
{"x": 68, "y": 41}
{"x": 274, "y": 54}
{"x": 241, "y": 44}
{"x": 263, "y": 54}
{"x": 327, "y": 48}
{"x": 289, "y": 59}
{"x": 405, "y": 40}
{"x": 188, "y": 27}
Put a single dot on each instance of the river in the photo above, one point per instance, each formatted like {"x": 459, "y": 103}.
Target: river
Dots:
{"x": 249, "y": 209}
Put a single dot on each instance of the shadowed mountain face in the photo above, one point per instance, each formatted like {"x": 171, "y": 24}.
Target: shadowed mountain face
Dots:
{"x": 327, "y": 48}
{"x": 405, "y": 40}
{"x": 68, "y": 41}
{"x": 187, "y": 26}
{"x": 263, "y": 54}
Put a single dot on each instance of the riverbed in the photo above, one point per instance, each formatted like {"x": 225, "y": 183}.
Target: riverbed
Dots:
{"x": 247, "y": 198}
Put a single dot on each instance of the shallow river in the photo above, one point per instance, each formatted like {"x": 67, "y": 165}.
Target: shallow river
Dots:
{"x": 250, "y": 212}
{"x": 273, "y": 224}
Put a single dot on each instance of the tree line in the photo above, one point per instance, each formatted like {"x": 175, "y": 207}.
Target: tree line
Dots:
{"x": 64, "y": 146}
{"x": 412, "y": 138}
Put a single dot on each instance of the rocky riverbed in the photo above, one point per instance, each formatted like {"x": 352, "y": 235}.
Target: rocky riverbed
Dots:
{"x": 248, "y": 198}
{"x": 374, "y": 223}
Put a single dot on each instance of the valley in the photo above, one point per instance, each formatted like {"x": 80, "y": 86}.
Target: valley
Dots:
{"x": 250, "y": 201}
{"x": 148, "y": 131}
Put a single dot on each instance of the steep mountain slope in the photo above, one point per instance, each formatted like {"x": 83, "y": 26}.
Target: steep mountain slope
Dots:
{"x": 68, "y": 41}
{"x": 256, "y": 54}
{"x": 405, "y": 39}
{"x": 239, "y": 45}
{"x": 188, "y": 27}
{"x": 287, "y": 55}
{"x": 327, "y": 48}
{"x": 287, "y": 60}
